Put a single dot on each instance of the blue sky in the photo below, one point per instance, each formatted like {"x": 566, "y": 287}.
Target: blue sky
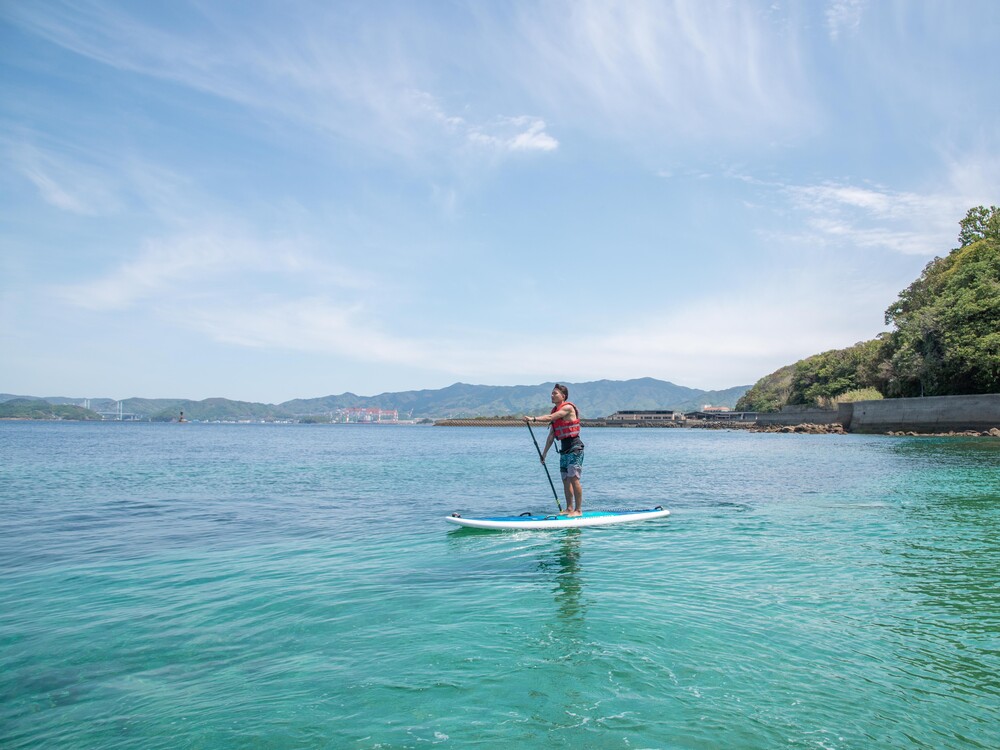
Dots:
{"x": 267, "y": 201}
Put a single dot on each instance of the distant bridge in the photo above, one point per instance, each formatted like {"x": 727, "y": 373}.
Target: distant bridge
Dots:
{"x": 118, "y": 415}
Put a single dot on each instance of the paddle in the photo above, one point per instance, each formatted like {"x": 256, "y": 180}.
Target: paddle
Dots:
{"x": 554, "y": 493}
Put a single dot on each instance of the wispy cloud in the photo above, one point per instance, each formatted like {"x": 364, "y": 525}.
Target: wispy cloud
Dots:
{"x": 522, "y": 134}
{"x": 502, "y": 134}
{"x": 726, "y": 340}
{"x": 192, "y": 266}
{"x": 64, "y": 182}
{"x": 361, "y": 84}
{"x": 844, "y": 16}
{"x": 312, "y": 324}
{"x": 874, "y": 216}
{"x": 324, "y": 326}
{"x": 707, "y": 69}
{"x": 736, "y": 339}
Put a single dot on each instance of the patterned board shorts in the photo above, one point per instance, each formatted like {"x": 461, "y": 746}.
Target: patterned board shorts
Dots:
{"x": 571, "y": 465}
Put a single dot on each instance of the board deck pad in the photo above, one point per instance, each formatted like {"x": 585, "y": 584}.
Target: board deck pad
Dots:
{"x": 557, "y": 520}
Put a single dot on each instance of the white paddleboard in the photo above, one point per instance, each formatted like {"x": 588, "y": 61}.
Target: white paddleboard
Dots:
{"x": 558, "y": 521}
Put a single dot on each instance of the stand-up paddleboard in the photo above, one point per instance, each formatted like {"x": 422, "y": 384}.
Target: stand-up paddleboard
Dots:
{"x": 560, "y": 521}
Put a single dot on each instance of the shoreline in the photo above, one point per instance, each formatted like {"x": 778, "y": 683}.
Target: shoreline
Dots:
{"x": 803, "y": 428}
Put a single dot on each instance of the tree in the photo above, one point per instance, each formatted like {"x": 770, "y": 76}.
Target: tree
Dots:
{"x": 823, "y": 377}
{"x": 947, "y": 337}
{"x": 980, "y": 223}
{"x": 769, "y": 393}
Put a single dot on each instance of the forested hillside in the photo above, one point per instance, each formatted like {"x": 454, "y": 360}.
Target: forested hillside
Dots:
{"x": 33, "y": 408}
{"x": 946, "y": 339}
{"x": 596, "y": 398}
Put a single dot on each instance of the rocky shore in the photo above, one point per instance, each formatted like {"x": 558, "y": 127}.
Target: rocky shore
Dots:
{"x": 806, "y": 428}
{"x": 838, "y": 429}
{"x": 995, "y": 432}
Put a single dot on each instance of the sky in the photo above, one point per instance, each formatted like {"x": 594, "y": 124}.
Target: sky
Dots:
{"x": 277, "y": 200}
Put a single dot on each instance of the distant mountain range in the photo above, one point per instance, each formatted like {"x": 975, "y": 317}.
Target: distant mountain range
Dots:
{"x": 595, "y": 399}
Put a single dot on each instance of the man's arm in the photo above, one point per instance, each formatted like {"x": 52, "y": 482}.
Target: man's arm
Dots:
{"x": 547, "y": 418}
{"x": 548, "y": 444}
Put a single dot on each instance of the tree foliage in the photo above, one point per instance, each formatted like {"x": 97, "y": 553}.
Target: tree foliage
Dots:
{"x": 947, "y": 337}
{"x": 825, "y": 376}
{"x": 862, "y": 394}
{"x": 980, "y": 223}
{"x": 769, "y": 393}
{"x": 820, "y": 379}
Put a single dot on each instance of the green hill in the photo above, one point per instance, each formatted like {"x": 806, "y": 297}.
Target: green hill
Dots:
{"x": 595, "y": 399}
{"x": 220, "y": 410}
{"x": 35, "y": 408}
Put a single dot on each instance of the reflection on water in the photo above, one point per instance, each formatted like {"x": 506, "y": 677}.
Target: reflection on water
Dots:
{"x": 564, "y": 565}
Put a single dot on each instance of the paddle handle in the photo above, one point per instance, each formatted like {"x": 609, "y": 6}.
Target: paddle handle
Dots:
{"x": 545, "y": 466}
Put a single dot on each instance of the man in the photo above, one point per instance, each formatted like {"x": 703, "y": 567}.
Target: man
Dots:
{"x": 565, "y": 421}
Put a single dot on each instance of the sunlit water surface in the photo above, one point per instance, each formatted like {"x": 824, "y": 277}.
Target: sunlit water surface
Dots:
{"x": 258, "y": 586}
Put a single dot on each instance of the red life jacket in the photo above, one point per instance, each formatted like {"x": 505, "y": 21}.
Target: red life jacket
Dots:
{"x": 566, "y": 428}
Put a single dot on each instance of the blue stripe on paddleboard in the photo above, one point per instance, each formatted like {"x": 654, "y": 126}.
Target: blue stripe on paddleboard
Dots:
{"x": 554, "y": 516}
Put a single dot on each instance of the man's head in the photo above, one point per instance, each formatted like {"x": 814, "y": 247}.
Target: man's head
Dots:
{"x": 562, "y": 390}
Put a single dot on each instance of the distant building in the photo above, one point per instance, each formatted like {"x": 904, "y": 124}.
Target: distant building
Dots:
{"x": 365, "y": 415}
{"x": 708, "y": 408}
{"x": 721, "y": 414}
{"x": 659, "y": 415}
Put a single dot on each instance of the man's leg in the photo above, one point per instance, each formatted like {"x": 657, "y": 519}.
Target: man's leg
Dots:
{"x": 578, "y": 492}
{"x": 568, "y": 494}
{"x": 573, "y": 472}
{"x": 571, "y": 487}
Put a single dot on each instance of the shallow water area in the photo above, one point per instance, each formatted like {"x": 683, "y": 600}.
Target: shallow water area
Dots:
{"x": 293, "y": 586}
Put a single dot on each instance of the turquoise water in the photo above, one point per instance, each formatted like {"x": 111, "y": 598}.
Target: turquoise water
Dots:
{"x": 257, "y": 586}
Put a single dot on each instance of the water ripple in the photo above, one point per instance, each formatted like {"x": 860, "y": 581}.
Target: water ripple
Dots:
{"x": 296, "y": 587}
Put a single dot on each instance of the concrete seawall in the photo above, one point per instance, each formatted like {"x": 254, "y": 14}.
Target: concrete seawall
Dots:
{"x": 929, "y": 414}
{"x": 793, "y": 415}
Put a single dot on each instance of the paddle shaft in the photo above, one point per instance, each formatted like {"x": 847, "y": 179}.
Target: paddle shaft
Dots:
{"x": 554, "y": 493}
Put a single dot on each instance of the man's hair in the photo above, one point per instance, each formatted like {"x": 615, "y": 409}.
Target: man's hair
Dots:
{"x": 563, "y": 390}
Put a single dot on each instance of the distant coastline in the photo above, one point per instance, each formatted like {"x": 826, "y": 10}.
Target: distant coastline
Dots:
{"x": 455, "y": 401}
{"x": 940, "y": 415}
